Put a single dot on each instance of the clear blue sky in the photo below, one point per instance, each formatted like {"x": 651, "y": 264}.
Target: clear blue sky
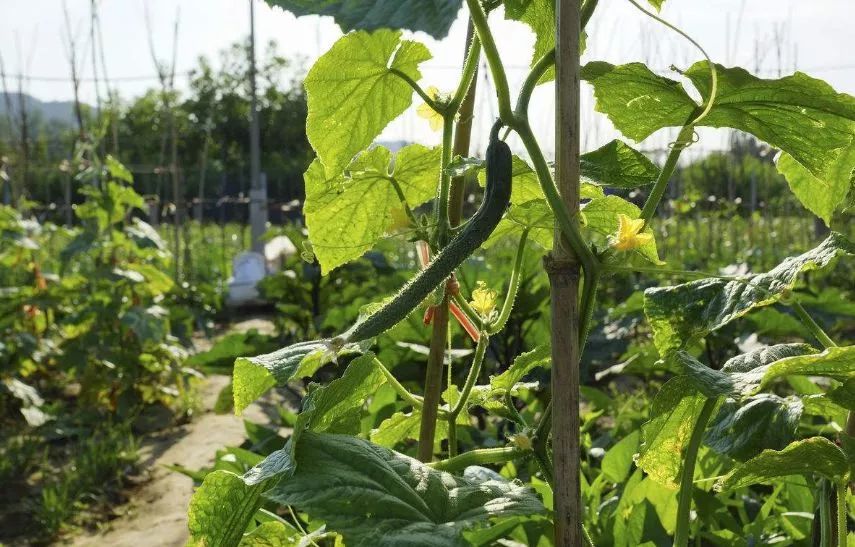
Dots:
{"x": 815, "y": 36}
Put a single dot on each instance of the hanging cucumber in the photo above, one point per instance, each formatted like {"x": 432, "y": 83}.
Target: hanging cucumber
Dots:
{"x": 497, "y": 195}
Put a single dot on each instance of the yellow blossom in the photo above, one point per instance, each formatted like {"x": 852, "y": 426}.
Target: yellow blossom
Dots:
{"x": 522, "y": 441}
{"x": 425, "y": 111}
{"x": 483, "y": 300}
{"x": 628, "y": 236}
{"x": 400, "y": 219}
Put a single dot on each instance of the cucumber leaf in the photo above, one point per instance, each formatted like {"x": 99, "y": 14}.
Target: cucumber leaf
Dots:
{"x": 821, "y": 196}
{"x": 636, "y": 100}
{"x": 803, "y": 116}
{"x": 618, "y": 165}
{"x": 685, "y": 313}
{"x": 337, "y": 406}
{"x": 673, "y": 414}
{"x": 353, "y": 93}
{"x": 376, "y": 497}
{"x": 431, "y": 16}
{"x": 347, "y": 214}
{"x": 742, "y": 429}
{"x": 814, "y": 455}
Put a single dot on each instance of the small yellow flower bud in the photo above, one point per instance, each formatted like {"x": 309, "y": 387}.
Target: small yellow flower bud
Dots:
{"x": 425, "y": 111}
{"x": 483, "y": 300}
{"x": 628, "y": 236}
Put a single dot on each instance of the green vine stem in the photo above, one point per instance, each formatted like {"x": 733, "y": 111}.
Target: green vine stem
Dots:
{"x": 567, "y": 223}
{"x": 543, "y": 64}
{"x": 825, "y": 513}
{"x": 684, "y": 139}
{"x": 687, "y": 475}
{"x": 474, "y": 371}
{"x": 842, "y": 513}
{"x": 513, "y": 287}
{"x": 471, "y": 377}
{"x": 441, "y": 206}
{"x": 403, "y": 392}
{"x": 540, "y": 444}
{"x": 418, "y": 89}
{"x": 812, "y": 325}
{"x": 494, "y": 60}
{"x": 482, "y": 456}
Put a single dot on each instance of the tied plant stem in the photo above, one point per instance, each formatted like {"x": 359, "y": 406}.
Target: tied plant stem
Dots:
{"x": 687, "y": 475}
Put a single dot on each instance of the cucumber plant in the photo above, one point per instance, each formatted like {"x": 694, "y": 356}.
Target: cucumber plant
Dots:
{"x": 347, "y": 483}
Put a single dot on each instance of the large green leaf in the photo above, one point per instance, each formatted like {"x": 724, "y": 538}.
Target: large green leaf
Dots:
{"x": 348, "y": 213}
{"x": 803, "y": 116}
{"x": 742, "y": 429}
{"x": 815, "y": 455}
{"x": 637, "y": 101}
{"x": 353, "y": 94}
{"x": 821, "y": 196}
{"x": 673, "y": 415}
{"x": 337, "y": 406}
{"x": 376, "y": 497}
{"x": 253, "y": 376}
{"x": 222, "y": 507}
{"x": 619, "y": 165}
{"x": 431, "y": 16}
{"x": 685, "y": 313}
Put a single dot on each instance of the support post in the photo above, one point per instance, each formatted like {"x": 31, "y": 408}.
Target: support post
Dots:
{"x": 258, "y": 191}
{"x": 563, "y": 269}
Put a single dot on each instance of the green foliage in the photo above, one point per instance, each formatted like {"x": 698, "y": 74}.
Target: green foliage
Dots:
{"x": 645, "y": 464}
{"x": 815, "y": 455}
{"x": 685, "y": 313}
{"x": 400, "y": 499}
{"x": 431, "y": 16}
{"x": 353, "y": 93}
{"x": 341, "y": 228}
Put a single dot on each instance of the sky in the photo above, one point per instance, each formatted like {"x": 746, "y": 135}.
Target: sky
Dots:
{"x": 768, "y": 37}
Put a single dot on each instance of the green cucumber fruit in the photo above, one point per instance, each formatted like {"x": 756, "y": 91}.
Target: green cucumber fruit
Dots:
{"x": 497, "y": 196}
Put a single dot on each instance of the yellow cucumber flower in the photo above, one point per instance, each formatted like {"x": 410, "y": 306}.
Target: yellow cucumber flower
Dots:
{"x": 628, "y": 235}
{"x": 483, "y": 300}
{"x": 425, "y": 111}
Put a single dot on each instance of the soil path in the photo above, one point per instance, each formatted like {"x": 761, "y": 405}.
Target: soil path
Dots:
{"x": 157, "y": 512}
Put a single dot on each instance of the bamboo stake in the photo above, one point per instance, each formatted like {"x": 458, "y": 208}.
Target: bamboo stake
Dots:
{"x": 563, "y": 269}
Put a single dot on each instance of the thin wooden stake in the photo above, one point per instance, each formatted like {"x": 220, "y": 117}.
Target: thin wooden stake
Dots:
{"x": 563, "y": 270}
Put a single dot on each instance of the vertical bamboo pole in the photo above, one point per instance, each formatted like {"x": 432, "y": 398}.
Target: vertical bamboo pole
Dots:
{"x": 563, "y": 270}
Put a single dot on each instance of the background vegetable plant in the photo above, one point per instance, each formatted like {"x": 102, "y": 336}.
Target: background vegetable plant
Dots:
{"x": 725, "y": 419}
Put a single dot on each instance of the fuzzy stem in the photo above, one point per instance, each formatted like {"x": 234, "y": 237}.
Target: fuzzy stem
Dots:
{"x": 812, "y": 325}
{"x": 513, "y": 288}
{"x": 418, "y": 89}
{"x": 842, "y": 510}
{"x": 403, "y": 392}
{"x": 482, "y": 456}
{"x": 474, "y": 371}
{"x": 494, "y": 60}
{"x": 681, "y": 535}
{"x": 658, "y": 190}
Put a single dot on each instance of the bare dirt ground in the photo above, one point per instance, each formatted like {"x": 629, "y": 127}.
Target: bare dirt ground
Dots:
{"x": 157, "y": 512}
